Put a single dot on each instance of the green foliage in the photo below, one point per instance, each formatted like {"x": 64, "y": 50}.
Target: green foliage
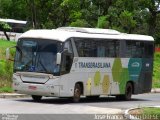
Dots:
{"x": 2, "y": 65}
{"x": 127, "y": 21}
{"x": 76, "y": 15}
{"x": 157, "y": 31}
{"x": 102, "y": 22}
{"x": 3, "y": 45}
{"x": 15, "y": 9}
{"x": 6, "y": 90}
{"x": 156, "y": 75}
{"x": 153, "y": 112}
{"x": 80, "y": 23}
{"x": 72, "y": 4}
{"x": 130, "y": 16}
{"x": 6, "y": 67}
{"x": 4, "y": 26}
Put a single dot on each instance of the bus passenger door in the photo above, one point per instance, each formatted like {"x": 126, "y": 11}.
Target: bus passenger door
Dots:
{"x": 66, "y": 64}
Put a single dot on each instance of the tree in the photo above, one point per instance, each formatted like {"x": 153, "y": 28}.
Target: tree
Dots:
{"x": 13, "y": 9}
{"x": 153, "y": 8}
{"x": 31, "y": 4}
{"x": 5, "y": 27}
{"x": 130, "y": 16}
{"x": 102, "y": 22}
{"x": 127, "y": 21}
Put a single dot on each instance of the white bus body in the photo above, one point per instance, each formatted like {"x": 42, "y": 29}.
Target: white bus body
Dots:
{"x": 82, "y": 67}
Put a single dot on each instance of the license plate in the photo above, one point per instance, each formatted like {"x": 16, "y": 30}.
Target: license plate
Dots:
{"x": 32, "y": 87}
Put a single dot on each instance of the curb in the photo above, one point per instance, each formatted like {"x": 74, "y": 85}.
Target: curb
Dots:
{"x": 155, "y": 90}
{"x": 131, "y": 117}
{"x": 12, "y": 95}
{"x": 128, "y": 116}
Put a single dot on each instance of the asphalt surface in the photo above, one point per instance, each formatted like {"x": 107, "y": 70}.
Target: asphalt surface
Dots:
{"x": 54, "y": 104}
{"x": 141, "y": 100}
{"x": 64, "y": 109}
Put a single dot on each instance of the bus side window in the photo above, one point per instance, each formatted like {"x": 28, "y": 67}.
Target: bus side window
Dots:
{"x": 100, "y": 51}
{"x": 134, "y": 49}
{"x": 122, "y": 49}
{"x": 149, "y": 50}
{"x": 113, "y": 48}
{"x": 128, "y": 49}
{"x": 86, "y": 47}
{"x": 138, "y": 49}
{"x": 68, "y": 46}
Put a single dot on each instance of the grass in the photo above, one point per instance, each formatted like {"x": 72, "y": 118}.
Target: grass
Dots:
{"x": 156, "y": 71}
{"x": 5, "y": 67}
{"x": 146, "y": 113}
{"x": 6, "y": 90}
{"x": 153, "y": 113}
{"x": 3, "y": 45}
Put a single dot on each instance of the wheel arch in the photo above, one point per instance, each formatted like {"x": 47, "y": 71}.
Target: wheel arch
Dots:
{"x": 81, "y": 85}
{"x": 132, "y": 83}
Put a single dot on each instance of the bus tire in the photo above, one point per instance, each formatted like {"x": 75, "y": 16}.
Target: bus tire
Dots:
{"x": 128, "y": 93}
{"x": 77, "y": 93}
{"x": 36, "y": 98}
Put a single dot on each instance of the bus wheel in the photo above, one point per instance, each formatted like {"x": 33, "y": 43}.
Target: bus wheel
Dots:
{"x": 128, "y": 91}
{"x": 77, "y": 93}
{"x": 36, "y": 98}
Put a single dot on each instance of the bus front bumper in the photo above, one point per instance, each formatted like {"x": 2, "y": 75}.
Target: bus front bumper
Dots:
{"x": 36, "y": 89}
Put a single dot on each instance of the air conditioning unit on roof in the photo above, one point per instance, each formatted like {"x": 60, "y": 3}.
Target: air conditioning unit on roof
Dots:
{"x": 90, "y": 30}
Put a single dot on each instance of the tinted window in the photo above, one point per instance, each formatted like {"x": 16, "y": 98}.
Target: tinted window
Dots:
{"x": 134, "y": 49}
{"x": 68, "y": 46}
{"x": 149, "y": 50}
{"x": 97, "y": 47}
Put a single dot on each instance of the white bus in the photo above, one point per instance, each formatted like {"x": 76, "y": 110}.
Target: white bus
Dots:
{"x": 75, "y": 62}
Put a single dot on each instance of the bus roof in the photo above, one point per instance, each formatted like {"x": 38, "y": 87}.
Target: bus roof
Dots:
{"x": 13, "y": 21}
{"x": 64, "y": 33}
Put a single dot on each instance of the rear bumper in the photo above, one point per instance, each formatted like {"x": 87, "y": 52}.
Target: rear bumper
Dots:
{"x": 36, "y": 89}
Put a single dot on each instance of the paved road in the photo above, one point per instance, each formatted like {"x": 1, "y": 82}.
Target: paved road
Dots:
{"x": 141, "y": 100}
{"x": 103, "y": 105}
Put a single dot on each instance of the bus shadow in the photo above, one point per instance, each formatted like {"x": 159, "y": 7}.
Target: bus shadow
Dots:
{"x": 82, "y": 100}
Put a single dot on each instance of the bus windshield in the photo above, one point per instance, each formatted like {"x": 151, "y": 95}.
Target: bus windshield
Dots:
{"x": 37, "y": 55}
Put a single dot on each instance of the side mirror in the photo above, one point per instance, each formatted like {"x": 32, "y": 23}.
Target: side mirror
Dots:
{"x": 65, "y": 50}
{"x": 8, "y": 53}
{"x": 58, "y": 60}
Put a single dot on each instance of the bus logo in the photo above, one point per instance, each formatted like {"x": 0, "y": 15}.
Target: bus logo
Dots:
{"x": 135, "y": 64}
